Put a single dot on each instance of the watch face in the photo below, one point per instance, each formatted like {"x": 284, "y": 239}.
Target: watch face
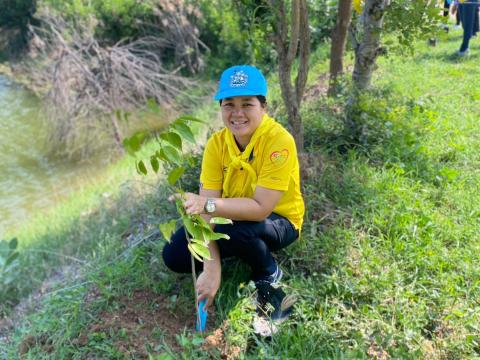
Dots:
{"x": 210, "y": 207}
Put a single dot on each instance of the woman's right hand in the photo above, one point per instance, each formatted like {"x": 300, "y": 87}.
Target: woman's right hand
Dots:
{"x": 208, "y": 283}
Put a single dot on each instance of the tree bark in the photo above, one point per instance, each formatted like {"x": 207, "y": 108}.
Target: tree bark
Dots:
{"x": 292, "y": 40}
{"x": 367, "y": 51}
{"x": 339, "y": 39}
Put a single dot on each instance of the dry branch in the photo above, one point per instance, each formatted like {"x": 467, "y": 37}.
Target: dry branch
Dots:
{"x": 87, "y": 82}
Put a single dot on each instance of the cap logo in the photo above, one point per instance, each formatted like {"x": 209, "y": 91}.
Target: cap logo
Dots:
{"x": 238, "y": 79}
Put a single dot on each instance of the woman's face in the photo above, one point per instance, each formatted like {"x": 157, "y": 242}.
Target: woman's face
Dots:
{"x": 242, "y": 115}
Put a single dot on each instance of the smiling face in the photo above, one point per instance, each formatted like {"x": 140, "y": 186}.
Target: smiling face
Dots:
{"x": 242, "y": 115}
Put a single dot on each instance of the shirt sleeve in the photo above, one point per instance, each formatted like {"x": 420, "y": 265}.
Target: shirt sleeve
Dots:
{"x": 280, "y": 159}
{"x": 211, "y": 177}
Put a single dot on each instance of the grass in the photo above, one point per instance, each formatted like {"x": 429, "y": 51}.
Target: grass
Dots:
{"x": 388, "y": 261}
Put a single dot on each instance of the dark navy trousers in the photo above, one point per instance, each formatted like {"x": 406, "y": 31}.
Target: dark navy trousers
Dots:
{"x": 470, "y": 22}
{"x": 250, "y": 241}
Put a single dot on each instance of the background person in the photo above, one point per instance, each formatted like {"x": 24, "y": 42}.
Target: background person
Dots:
{"x": 468, "y": 11}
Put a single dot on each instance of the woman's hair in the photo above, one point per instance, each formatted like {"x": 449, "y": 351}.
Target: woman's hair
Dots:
{"x": 261, "y": 98}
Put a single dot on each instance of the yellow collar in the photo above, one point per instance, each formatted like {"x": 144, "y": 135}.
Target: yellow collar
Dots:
{"x": 241, "y": 160}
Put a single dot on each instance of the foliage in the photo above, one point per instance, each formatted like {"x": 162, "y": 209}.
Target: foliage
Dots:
{"x": 322, "y": 17}
{"x": 119, "y": 19}
{"x": 171, "y": 153}
{"x": 15, "y": 17}
{"x": 122, "y": 19}
{"x": 225, "y": 31}
{"x": 405, "y": 21}
{"x": 16, "y": 13}
{"x": 409, "y": 20}
{"x": 170, "y": 22}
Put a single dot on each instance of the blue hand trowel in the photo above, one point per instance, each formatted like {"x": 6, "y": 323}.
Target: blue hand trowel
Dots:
{"x": 202, "y": 316}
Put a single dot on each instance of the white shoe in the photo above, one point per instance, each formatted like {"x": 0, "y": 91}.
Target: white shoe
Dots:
{"x": 463, "y": 53}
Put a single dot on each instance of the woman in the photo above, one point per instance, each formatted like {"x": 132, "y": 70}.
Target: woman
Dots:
{"x": 250, "y": 174}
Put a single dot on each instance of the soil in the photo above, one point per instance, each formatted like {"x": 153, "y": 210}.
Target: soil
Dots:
{"x": 217, "y": 341}
{"x": 143, "y": 318}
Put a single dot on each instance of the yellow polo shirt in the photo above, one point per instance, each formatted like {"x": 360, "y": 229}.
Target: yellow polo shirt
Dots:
{"x": 274, "y": 160}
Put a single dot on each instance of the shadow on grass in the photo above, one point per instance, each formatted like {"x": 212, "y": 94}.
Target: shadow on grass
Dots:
{"x": 452, "y": 57}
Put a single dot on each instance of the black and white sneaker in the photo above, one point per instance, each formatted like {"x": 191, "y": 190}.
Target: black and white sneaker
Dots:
{"x": 271, "y": 299}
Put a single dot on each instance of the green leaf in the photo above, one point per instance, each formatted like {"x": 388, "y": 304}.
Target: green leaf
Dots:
{"x": 202, "y": 250}
{"x": 175, "y": 174}
{"x": 184, "y": 131}
{"x": 218, "y": 236}
{"x": 141, "y": 168}
{"x": 127, "y": 146}
{"x": 189, "y": 118}
{"x": 220, "y": 220}
{"x": 201, "y": 222}
{"x": 154, "y": 163}
{"x": 172, "y": 154}
{"x": 13, "y": 244}
{"x": 173, "y": 139}
{"x": 194, "y": 254}
{"x": 161, "y": 155}
{"x": 194, "y": 230}
{"x": 167, "y": 229}
{"x": 199, "y": 241}
{"x": 11, "y": 258}
{"x": 197, "y": 340}
{"x": 134, "y": 143}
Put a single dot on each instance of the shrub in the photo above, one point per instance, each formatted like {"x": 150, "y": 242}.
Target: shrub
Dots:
{"x": 16, "y": 13}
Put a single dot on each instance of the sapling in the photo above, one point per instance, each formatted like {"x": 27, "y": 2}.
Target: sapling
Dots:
{"x": 170, "y": 153}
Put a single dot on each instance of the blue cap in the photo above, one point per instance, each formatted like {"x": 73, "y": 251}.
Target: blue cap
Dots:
{"x": 241, "y": 80}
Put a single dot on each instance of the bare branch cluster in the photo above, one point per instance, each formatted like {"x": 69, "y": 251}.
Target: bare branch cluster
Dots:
{"x": 86, "y": 82}
{"x": 173, "y": 18}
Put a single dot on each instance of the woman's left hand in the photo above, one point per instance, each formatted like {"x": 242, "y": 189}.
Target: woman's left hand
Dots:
{"x": 193, "y": 203}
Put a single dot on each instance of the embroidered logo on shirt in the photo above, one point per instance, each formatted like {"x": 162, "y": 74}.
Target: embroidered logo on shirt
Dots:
{"x": 238, "y": 79}
{"x": 279, "y": 157}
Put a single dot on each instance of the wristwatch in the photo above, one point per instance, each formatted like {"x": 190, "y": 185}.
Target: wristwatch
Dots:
{"x": 210, "y": 206}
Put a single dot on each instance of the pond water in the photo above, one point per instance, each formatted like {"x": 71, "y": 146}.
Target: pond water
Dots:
{"x": 30, "y": 182}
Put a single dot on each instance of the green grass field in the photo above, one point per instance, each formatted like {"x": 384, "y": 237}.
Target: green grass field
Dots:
{"x": 387, "y": 266}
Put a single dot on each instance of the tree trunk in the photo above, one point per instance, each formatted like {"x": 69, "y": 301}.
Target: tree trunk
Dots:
{"x": 292, "y": 40}
{"x": 292, "y": 105}
{"x": 339, "y": 39}
{"x": 367, "y": 51}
